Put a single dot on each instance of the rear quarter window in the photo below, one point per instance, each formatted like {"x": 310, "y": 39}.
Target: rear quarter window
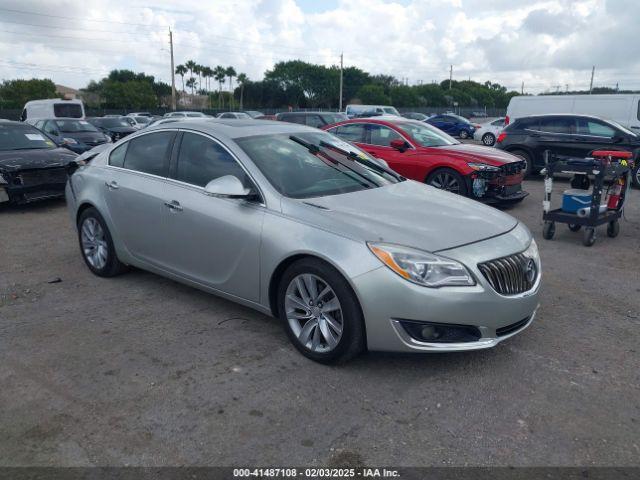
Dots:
{"x": 149, "y": 153}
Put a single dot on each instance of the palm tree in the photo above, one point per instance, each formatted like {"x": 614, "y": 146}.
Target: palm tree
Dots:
{"x": 198, "y": 71}
{"x": 191, "y": 65}
{"x": 181, "y": 70}
{"x": 230, "y": 72}
{"x": 191, "y": 83}
{"x": 242, "y": 80}
{"x": 207, "y": 73}
{"x": 220, "y": 74}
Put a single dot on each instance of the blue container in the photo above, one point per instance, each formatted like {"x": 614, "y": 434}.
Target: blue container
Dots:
{"x": 574, "y": 199}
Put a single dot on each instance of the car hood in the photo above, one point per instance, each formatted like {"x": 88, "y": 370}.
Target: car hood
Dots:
{"x": 13, "y": 160}
{"x": 476, "y": 153}
{"x": 407, "y": 213}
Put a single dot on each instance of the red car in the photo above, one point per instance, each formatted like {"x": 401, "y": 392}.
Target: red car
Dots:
{"x": 424, "y": 153}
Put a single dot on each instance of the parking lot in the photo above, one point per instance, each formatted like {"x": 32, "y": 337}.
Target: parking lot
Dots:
{"x": 140, "y": 370}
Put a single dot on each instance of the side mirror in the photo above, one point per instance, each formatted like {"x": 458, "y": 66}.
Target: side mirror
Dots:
{"x": 399, "y": 144}
{"x": 226, "y": 186}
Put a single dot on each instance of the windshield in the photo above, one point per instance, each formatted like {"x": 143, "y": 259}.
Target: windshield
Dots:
{"x": 425, "y": 135}
{"x": 112, "y": 122}
{"x": 74, "y": 126}
{"x": 23, "y": 137}
{"x": 297, "y": 171}
{"x": 391, "y": 111}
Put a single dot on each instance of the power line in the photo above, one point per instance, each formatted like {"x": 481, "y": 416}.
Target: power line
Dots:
{"x": 77, "y": 18}
{"x": 60, "y": 27}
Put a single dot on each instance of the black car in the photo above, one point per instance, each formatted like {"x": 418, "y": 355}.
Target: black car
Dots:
{"x": 32, "y": 166}
{"x": 312, "y": 119}
{"x": 76, "y": 135}
{"x": 571, "y": 135}
{"x": 115, "y": 127}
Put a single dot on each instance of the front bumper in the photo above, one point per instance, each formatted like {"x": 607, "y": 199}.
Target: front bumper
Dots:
{"x": 388, "y": 299}
{"x": 25, "y": 186}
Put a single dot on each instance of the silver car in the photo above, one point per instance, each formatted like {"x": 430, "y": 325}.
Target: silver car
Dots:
{"x": 300, "y": 225}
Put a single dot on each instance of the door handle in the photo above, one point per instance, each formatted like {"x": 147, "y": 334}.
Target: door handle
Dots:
{"x": 174, "y": 205}
{"x": 112, "y": 185}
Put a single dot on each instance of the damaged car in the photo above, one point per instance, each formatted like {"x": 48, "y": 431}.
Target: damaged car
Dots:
{"x": 32, "y": 166}
{"x": 426, "y": 154}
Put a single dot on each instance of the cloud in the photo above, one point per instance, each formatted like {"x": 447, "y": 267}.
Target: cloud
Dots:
{"x": 541, "y": 42}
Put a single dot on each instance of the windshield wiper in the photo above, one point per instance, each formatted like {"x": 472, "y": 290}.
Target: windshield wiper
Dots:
{"x": 365, "y": 161}
{"x": 315, "y": 150}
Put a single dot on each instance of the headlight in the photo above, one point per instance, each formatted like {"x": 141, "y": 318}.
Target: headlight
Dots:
{"x": 482, "y": 167}
{"x": 421, "y": 267}
{"x": 532, "y": 252}
{"x": 69, "y": 141}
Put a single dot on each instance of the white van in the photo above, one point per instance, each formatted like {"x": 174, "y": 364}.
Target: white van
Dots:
{"x": 354, "y": 110}
{"x": 622, "y": 108}
{"x": 51, "y": 108}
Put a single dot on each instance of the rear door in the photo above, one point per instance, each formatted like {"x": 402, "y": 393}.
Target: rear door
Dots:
{"x": 134, "y": 191}
{"x": 213, "y": 241}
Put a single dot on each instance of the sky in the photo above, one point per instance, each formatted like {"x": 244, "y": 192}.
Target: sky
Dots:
{"x": 548, "y": 45}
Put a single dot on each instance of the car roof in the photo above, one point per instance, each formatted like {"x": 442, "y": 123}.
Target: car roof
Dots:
{"x": 236, "y": 128}
{"x": 382, "y": 120}
{"x": 546, "y": 115}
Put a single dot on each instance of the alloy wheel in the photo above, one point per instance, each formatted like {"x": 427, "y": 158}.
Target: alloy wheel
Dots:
{"x": 463, "y": 134}
{"x": 445, "y": 181}
{"x": 94, "y": 243}
{"x": 488, "y": 139}
{"x": 314, "y": 313}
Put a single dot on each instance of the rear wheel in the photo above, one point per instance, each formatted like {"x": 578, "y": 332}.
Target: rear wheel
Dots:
{"x": 464, "y": 134}
{"x": 320, "y": 312}
{"x": 489, "y": 139}
{"x": 449, "y": 180}
{"x": 96, "y": 245}
{"x": 521, "y": 154}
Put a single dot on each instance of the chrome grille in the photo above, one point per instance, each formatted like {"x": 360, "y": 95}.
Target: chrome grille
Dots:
{"x": 510, "y": 275}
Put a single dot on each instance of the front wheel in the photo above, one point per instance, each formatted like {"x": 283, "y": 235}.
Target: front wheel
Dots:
{"x": 589, "y": 236}
{"x": 320, "y": 312}
{"x": 524, "y": 156}
{"x": 635, "y": 180}
{"x": 489, "y": 139}
{"x": 96, "y": 245}
{"x": 449, "y": 180}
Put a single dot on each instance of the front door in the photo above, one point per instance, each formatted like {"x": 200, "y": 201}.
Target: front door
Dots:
{"x": 215, "y": 241}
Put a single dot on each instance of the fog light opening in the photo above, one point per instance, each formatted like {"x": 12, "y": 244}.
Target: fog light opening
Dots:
{"x": 440, "y": 332}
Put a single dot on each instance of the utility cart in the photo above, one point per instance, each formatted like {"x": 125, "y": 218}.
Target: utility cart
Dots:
{"x": 610, "y": 171}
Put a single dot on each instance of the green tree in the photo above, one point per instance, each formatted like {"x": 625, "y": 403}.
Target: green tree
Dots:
{"x": 15, "y": 93}
{"x": 242, "y": 81}
{"x": 181, "y": 70}
{"x": 230, "y": 72}
{"x": 220, "y": 75}
{"x": 373, "y": 94}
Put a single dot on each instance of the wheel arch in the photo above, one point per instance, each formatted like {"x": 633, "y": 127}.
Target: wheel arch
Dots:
{"x": 82, "y": 207}
{"x": 278, "y": 272}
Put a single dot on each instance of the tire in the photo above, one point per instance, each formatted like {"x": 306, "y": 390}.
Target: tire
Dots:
{"x": 574, "y": 228}
{"x": 589, "y": 236}
{"x": 464, "y": 134}
{"x": 549, "y": 230}
{"x": 94, "y": 236}
{"x": 527, "y": 159}
{"x": 613, "y": 229}
{"x": 442, "y": 179}
{"x": 311, "y": 325}
{"x": 635, "y": 176}
{"x": 489, "y": 139}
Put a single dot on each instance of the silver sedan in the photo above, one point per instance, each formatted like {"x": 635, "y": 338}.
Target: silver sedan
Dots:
{"x": 300, "y": 225}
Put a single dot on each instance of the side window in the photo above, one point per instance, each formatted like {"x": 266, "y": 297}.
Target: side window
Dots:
{"x": 498, "y": 123}
{"x": 39, "y": 124}
{"x": 594, "y": 128}
{"x": 149, "y": 153}
{"x": 351, "y": 132}
{"x": 556, "y": 125}
{"x": 116, "y": 158}
{"x": 202, "y": 160}
{"x": 314, "y": 121}
{"x": 381, "y": 135}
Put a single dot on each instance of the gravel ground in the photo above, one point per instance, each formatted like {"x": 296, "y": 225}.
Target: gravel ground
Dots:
{"x": 140, "y": 370}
